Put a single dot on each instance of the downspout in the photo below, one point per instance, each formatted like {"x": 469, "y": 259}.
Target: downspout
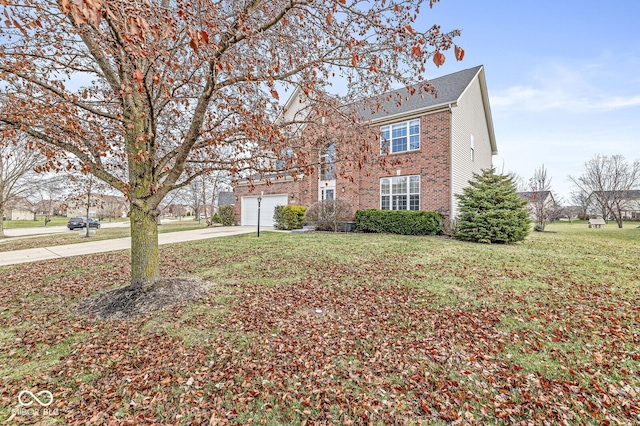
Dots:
{"x": 451, "y": 218}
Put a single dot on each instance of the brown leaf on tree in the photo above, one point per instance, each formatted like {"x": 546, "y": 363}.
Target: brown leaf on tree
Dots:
{"x": 459, "y": 52}
{"x": 138, "y": 75}
{"x": 438, "y": 58}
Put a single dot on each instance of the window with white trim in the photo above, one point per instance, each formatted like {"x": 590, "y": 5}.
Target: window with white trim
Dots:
{"x": 400, "y": 137}
{"x": 400, "y": 193}
{"x": 328, "y": 163}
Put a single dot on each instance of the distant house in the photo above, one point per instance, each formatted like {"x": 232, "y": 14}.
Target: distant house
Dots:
{"x": 630, "y": 204}
{"x": 177, "y": 210}
{"x": 50, "y": 208}
{"x": 437, "y": 144}
{"x": 19, "y": 208}
{"x": 100, "y": 206}
{"x": 539, "y": 202}
{"x": 226, "y": 198}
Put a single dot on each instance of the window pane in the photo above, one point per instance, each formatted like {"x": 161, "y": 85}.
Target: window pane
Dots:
{"x": 414, "y": 127}
{"x": 414, "y": 202}
{"x": 385, "y": 139}
{"x": 384, "y": 205}
{"x": 399, "y": 202}
{"x": 385, "y": 187}
{"x": 399, "y": 130}
{"x": 414, "y": 184}
{"x": 399, "y": 185}
{"x": 328, "y": 194}
{"x": 399, "y": 145}
{"x": 414, "y": 142}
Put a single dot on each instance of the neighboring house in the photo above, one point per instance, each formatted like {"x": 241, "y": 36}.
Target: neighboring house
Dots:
{"x": 438, "y": 142}
{"x": 101, "y": 206}
{"x": 539, "y": 202}
{"x": 226, "y": 198}
{"x": 630, "y": 204}
{"x": 50, "y": 208}
{"x": 177, "y": 210}
{"x": 19, "y": 208}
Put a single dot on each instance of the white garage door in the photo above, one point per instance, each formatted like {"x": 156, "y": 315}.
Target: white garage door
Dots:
{"x": 249, "y": 213}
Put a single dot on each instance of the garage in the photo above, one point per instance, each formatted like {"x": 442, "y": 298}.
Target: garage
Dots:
{"x": 249, "y": 213}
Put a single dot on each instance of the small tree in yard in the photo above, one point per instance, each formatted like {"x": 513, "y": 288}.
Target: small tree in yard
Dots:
{"x": 227, "y": 215}
{"x": 149, "y": 95}
{"x": 327, "y": 215}
{"x": 542, "y": 199}
{"x": 491, "y": 210}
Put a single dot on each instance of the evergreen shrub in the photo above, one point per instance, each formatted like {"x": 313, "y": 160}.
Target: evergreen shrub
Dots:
{"x": 403, "y": 222}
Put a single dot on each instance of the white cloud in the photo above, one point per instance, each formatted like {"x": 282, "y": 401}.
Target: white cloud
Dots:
{"x": 581, "y": 88}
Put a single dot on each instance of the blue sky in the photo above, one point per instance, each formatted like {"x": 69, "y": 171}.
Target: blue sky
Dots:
{"x": 563, "y": 78}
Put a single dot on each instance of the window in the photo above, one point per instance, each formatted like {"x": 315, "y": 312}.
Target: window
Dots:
{"x": 400, "y": 193}
{"x": 327, "y": 194}
{"x": 328, "y": 163}
{"x": 400, "y": 137}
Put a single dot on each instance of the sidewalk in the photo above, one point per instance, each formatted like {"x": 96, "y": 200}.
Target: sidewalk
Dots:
{"x": 79, "y": 249}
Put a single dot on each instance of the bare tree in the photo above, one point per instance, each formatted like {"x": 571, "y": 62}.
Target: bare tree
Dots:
{"x": 17, "y": 165}
{"x": 608, "y": 181}
{"x": 329, "y": 215}
{"x": 144, "y": 94}
{"x": 580, "y": 198}
{"x": 48, "y": 195}
{"x": 542, "y": 199}
{"x": 84, "y": 193}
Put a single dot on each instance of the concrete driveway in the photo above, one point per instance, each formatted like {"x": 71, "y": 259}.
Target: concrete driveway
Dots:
{"x": 91, "y": 247}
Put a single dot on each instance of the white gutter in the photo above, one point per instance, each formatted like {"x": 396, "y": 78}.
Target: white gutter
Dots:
{"x": 414, "y": 113}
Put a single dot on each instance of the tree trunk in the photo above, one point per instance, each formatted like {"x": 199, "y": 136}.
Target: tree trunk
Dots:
{"x": 145, "y": 266}
{"x": 1, "y": 218}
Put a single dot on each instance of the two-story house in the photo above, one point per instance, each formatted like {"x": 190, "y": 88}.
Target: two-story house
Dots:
{"x": 433, "y": 144}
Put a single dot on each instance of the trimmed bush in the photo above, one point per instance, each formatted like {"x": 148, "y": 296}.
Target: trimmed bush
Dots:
{"x": 491, "y": 210}
{"x": 403, "y": 222}
{"x": 227, "y": 215}
{"x": 288, "y": 217}
{"x": 328, "y": 215}
{"x": 215, "y": 218}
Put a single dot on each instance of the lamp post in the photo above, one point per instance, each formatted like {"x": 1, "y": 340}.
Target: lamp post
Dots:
{"x": 259, "y": 201}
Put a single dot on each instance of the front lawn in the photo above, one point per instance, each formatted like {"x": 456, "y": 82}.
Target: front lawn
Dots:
{"x": 342, "y": 329}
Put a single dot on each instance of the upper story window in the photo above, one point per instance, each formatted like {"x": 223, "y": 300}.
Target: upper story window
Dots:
{"x": 328, "y": 163}
{"x": 400, "y": 137}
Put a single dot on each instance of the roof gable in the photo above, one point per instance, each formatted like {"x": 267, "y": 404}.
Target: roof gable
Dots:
{"x": 449, "y": 89}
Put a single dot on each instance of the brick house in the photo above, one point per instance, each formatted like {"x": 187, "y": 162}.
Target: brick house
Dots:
{"x": 434, "y": 144}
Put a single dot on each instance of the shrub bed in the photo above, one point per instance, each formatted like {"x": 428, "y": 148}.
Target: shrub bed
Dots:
{"x": 288, "y": 217}
{"x": 403, "y": 222}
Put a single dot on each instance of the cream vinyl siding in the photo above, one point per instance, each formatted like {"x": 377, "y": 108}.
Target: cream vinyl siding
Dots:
{"x": 468, "y": 123}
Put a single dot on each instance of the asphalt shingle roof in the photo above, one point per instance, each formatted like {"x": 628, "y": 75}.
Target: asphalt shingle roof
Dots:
{"x": 449, "y": 89}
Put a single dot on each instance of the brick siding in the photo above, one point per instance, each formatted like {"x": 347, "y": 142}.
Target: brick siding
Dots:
{"x": 361, "y": 186}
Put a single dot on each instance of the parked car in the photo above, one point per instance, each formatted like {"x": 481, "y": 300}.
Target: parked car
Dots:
{"x": 81, "y": 222}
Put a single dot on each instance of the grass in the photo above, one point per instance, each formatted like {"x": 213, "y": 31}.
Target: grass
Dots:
{"x": 72, "y": 237}
{"x": 412, "y": 330}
